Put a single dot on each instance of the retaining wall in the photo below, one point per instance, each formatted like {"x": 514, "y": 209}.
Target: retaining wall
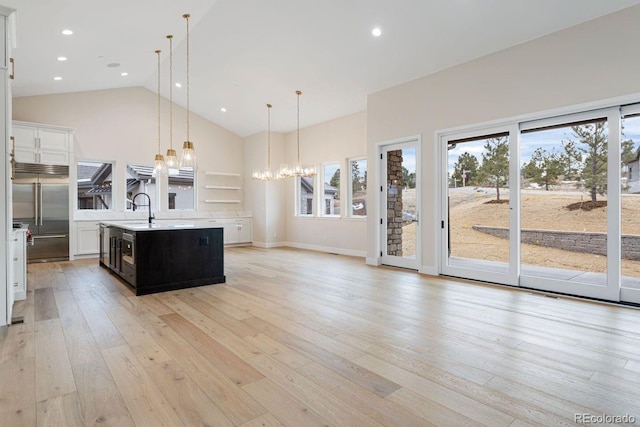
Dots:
{"x": 574, "y": 241}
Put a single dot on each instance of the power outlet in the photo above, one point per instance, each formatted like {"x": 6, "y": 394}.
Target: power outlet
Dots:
{"x": 204, "y": 241}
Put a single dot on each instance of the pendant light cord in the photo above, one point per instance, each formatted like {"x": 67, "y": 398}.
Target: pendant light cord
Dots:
{"x": 268, "y": 137}
{"x": 186, "y": 16}
{"x": 170, "y": 91}
{"x": 159, "y": 99}
{"x": 298, "y": 93}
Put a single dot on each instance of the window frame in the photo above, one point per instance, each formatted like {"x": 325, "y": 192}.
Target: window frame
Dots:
{"x": 320, "y": 195}
{"x": 349, "y": 198}
{"x": 114, "y": 184}
{"x": 298, "y": 198}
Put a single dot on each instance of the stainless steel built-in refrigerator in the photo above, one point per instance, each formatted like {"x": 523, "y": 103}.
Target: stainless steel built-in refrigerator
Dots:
{"x": 41, "y": 199}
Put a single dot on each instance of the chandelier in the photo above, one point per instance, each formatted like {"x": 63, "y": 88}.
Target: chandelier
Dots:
{"x": 265, "y": 174}
{"x": 298, "y": 169}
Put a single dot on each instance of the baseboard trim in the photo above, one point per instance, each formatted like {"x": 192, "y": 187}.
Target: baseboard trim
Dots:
{"x": 327, "y": 249}
{"x": 430, "y": 270}
{"x": 375, "y": 261}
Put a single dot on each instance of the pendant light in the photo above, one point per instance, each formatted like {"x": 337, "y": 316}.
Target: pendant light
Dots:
{"x": 159, "y": 166}
{"x": 172, "y": 159}
{"x": 266, "y": 175}
{"x": 299, "y": 169}
{"x": 188, "y": 159}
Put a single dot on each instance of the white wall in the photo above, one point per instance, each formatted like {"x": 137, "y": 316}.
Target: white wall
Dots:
{"x": 121, "y": 125}
{"x": 589, "y": 62}
{"x": 335, "y": 140}
{"x": 265, "y": 199}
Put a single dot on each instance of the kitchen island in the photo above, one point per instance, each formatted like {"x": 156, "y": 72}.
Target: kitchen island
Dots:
{"x": 162, "y": 257}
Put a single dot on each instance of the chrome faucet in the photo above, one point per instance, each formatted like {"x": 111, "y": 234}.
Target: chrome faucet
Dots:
{"x": 134, "y": 206}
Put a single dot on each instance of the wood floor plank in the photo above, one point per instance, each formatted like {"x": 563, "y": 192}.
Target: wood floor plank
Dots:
{"x": 19, "y": 343}
{"x": 60, "y": 411}
{"x": 105, "y": 334}
{"x": 81, "y": 345}
{"x": 370, "y": 380}
{"x": 278, "y": 351}
{"x": 455, "y": 401}
{"x": 45, "y": 304}
{"x": 338, "y": 412}
{"x": 232, "y": 400}
{"x": 18, "y": 392}
{"x": 266, "y": 420}
{"x": 192, "y": 405}
{"x": 53, "y": 369}
{"x": 101, "y": 401}
{"x": 235, "y": 368}
{"x": 284, "y": 406}
{"x": 146, "y": 403}
{"x": 385, "y": 410}
{"x": 232, "y": 342}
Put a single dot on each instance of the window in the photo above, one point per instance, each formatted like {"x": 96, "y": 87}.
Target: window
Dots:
{"x": 330, "y": 198}
{"x": 357, "y": 188}
{"x": 181, "y": 194}
{"x": 140, "y": 179}
{"x": 305, "y": 196}
{"x": 94, "y": 182}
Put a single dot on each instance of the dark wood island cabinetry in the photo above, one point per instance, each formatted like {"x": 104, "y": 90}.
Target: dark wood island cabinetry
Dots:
{"x": 157, "y": 258}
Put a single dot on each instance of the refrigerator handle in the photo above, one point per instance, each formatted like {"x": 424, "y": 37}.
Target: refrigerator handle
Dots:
{"x": 35, "y": 206}
{"x": 40, "y": 187}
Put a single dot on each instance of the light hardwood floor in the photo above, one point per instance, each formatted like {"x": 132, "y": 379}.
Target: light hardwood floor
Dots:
{"x": 300, "y": 338}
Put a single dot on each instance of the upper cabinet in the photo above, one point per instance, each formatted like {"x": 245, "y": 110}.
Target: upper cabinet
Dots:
{"x": 43, "y": 144}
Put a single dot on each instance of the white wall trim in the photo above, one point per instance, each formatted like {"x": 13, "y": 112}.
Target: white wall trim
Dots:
{"x": 327, "y": 249}
{"x": 375, "y": 261}
{"x": 265, "y": 245}
{"x": 429, "y": 269}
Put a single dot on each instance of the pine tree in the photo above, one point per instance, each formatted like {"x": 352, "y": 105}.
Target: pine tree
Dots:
{"x": 592, "y": 138}
{"x": 544, "y": 168}
{"x": 466, "y": 164}
{"x": 495, "y": 163}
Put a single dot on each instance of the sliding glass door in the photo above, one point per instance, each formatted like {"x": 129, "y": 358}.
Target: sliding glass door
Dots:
{"x": 477, "y": 207}
{"x": 550, "y": 204}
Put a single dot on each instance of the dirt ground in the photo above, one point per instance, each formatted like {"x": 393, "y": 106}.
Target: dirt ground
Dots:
{"x": 540, "y": 210}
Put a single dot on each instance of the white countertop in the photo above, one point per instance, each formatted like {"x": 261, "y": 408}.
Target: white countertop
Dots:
{"x": 158, "y": 225}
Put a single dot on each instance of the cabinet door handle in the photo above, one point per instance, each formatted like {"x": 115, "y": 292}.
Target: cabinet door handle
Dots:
{"x": 13, "y": 68}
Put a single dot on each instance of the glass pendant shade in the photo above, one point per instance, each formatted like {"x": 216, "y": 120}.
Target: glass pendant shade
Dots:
{"x": 172, "y": 162}
{"x": 188, "y": 159}
{"x": 160, "y": 167}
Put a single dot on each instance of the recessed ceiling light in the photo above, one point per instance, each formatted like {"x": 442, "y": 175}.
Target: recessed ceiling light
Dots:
{"x": 57, "y": 78}
{"x": 62, "y": 58}
{"x": 67, "y": 32}
{"x": 377, "y": 32}
{"x": 224, "y": 110}
{"x": 178, "y": 84}
{"x": 124, "y": 74}
{"x": 113, "y": 64}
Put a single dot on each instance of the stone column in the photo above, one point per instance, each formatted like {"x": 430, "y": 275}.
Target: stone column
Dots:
{"x": 394, "y": 203}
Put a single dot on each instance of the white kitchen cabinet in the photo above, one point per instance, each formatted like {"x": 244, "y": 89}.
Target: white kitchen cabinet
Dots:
{"x": 19, "y": 270}
{"x": 7, "y": 40}
{"x": 35, "y": 143}
{"x": 237, "y": 231}
{"x": 87, "y": 238}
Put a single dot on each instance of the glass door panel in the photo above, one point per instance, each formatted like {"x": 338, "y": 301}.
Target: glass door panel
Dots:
{"x": 400, "y": 206}
{"x": 563, "y": 211}
{"x": 630, "y": 209}
{"x": 477, "y": 214}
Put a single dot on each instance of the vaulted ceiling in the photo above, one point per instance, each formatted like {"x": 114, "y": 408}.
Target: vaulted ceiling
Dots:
{"x": 245, "y": 53}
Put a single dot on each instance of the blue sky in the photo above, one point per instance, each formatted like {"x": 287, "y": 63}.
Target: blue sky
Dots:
{"x": 546, "y": 139}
